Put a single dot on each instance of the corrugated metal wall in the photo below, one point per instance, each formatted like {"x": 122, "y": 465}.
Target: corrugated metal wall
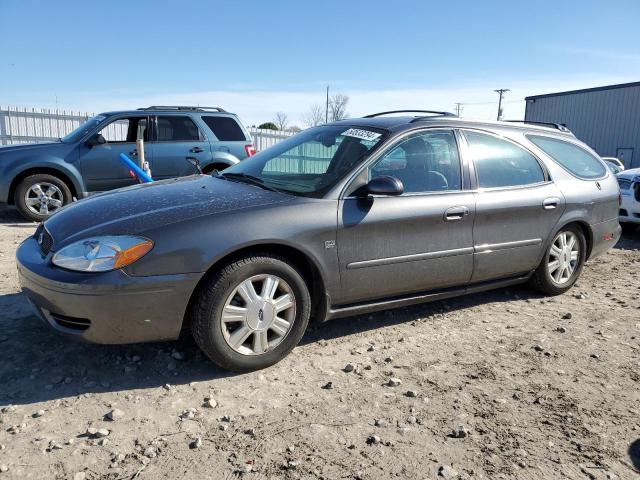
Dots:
{"x": 607, "y": 120}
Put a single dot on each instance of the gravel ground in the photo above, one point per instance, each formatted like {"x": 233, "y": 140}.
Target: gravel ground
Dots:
{"x": 505, "y": 384}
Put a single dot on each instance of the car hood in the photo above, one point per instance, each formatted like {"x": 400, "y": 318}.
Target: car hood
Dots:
{"x": 134, "y": 210}
{"x": 631, "y": 174}
{"x": 26, "y": 147}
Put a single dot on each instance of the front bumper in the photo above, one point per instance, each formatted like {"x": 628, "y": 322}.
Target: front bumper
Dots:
{"x": 110, "y": 307}
{"x": 630, "y": 208}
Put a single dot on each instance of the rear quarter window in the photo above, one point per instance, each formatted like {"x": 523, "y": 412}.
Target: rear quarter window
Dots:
{"x": 226, "y": 129}
{"x": 573, "y": 158}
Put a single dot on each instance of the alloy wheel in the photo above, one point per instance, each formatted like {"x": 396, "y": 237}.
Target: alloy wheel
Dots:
{"x": 564, "y": 257}
{"x": 254, "y": 323}
{"x": 43, "y": 198}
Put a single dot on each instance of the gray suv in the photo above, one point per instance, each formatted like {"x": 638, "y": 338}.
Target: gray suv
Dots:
{"x": 41, "y": 178}
{"x": 342, "y": 219}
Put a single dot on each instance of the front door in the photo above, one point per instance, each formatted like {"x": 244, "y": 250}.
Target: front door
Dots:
{"x": 176, "y": 144}
{"x": 418, "y": 241}
{"x": 517, "y": 207}
{"x": 101, "y": 166}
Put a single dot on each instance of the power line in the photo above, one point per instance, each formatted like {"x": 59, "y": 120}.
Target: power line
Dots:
{"x": 459, "y": 108}
{"x": 500, "y": 92}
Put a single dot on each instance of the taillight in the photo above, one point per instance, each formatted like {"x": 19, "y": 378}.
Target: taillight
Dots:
{"x": 250, "y": 150}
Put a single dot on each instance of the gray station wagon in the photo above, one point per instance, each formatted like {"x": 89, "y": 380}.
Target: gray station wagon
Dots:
{"x": 41, "y": 178}
{"x": 354, "y": 216}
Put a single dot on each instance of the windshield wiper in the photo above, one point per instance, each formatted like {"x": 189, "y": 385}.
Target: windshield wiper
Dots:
{"x": 250, "y": 179}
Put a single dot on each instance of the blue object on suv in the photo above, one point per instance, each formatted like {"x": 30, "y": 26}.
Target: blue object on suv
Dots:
{"x": 40, "y": 178}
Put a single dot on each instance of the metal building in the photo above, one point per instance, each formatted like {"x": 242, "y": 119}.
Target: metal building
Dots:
{"x": 606, "y": 118}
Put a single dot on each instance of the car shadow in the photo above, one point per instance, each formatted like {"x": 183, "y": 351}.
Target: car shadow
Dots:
{"x": 629, "y": 241}
{"x": 10, "y": 216}
{"x": 634, "y": 454}
{"x": 37, "y": 364}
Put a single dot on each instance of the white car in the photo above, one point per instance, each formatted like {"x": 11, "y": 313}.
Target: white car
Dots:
{"x": 614, "y": 161}
{"x": 629, "y": 182}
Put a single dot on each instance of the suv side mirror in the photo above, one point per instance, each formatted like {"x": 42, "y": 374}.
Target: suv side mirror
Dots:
{"x": 384, "y": 185}
{"x": 96, "y": 139}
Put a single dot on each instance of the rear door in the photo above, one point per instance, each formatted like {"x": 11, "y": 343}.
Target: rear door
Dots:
{"x": 100, "y": 164}
{"x": 418, "y": 241}
{"x": 517, "y": 206}
{"x": 176, "y": 143}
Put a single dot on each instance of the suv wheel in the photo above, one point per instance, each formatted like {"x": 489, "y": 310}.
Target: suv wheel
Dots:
{"x": 251, "y": 313}
{"x": 38, "y": 196}
{"x": 562, "y": 263}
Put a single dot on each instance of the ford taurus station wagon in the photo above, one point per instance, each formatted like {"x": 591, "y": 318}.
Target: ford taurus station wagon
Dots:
{"x": 350, "y": 217}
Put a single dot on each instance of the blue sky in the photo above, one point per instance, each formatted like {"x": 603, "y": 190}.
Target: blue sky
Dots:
{"x": 260, "y": 57}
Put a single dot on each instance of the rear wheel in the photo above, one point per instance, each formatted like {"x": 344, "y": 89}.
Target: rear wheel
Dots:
{"x": 562, "y": 263}
{"x": 38, "y": 196}
{"x": 251, "y": 313}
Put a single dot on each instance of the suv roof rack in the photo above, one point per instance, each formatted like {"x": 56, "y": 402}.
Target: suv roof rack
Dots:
{"x": 435, "y": 112}
{"x": 557, "y": 126}
{"x": 181, "y": 108}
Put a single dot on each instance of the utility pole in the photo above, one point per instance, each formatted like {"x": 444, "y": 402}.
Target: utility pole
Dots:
{"x": 326, "y": 110}
{"x": 459, "y": 108}
{"x": 500, "y": 92}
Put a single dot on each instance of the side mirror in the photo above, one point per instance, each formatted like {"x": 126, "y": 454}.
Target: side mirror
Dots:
{"x": 384, "y": 185}
{"x": 96, "y": 139}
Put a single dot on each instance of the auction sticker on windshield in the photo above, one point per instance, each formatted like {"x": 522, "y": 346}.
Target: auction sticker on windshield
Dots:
{"x": 361, "y": 134}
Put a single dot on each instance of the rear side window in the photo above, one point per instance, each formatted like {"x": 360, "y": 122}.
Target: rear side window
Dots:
{"x": 500, "y": 163}
{"x": 573, "y": 158}
{"x": 226, "y": 129}
{"x": 176, "y": 128}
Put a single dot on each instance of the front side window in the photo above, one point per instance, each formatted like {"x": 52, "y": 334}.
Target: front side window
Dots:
{"x": 226, "y": 129}
{"x": 424, "y": 162}
{"x": 573, "y": 158}
{"x": 500, "y": 163}
{"x": 125, "y": 130}
{"x": 176, "y": 128}
{"x": 311, "y": 162}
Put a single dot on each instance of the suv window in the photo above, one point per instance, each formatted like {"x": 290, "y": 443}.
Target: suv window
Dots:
{"x": 176, "y": 128}
{"x": 425, "y": 162}
{"x": 226, "y": 129}
{"x": 500, "y": 163}
{"x": 125, "y": 130}
{"x": 575, "y": 159}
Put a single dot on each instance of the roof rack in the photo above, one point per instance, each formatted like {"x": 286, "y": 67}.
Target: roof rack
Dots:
{"x": 181, "y": 108}
{"x": 435, "y": 112}
{"x": 558, "y": 126}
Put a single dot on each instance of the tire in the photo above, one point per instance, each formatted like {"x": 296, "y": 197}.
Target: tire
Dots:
{"x": 545, "y": 280}
{"x": 225, "y": 292}
{"x": 628, "y": 228}
{"x": 55, "y": 194}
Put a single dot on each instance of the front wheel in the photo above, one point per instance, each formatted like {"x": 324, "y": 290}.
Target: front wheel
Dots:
{"x": 251, "y": 313}
{"x": 562, "y": 263}
{"x": 38, "y": 196}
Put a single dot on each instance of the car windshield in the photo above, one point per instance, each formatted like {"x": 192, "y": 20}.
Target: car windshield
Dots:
{"x": 81, "y": 131}
{"x": 310, "y": 163}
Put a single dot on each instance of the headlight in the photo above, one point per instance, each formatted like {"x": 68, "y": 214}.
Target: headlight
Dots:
{"x": 101, "y": 254}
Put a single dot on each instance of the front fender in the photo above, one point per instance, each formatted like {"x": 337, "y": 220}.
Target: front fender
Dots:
{"x": 45, "y": 164}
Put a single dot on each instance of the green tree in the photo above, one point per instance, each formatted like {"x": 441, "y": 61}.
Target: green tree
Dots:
{"x": 268, "y": 126}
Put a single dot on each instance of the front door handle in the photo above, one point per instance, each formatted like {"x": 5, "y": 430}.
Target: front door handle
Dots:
{"x": 550, "y": 203}
{"x": 196, "y": 150}
{"x": 455, "y": 214}
{"x": 133, "y": 153}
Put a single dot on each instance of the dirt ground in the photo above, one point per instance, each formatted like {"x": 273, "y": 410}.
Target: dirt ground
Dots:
{"x": 506, "y": 384}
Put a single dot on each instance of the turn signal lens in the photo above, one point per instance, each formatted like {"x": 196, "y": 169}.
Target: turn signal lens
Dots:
{"x": 131, "y": 254}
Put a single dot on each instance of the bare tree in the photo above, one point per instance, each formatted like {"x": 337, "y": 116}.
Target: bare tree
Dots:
{"x": 315, "y": 116}
{"x": 338, "y": 107}
{"x": 281, "y": 120}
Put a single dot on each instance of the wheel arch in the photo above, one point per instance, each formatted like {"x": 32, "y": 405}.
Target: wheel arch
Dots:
{"x": 584, "y": 227}
{"x": 66, "y": 177}
{"x": 307, "y": 266}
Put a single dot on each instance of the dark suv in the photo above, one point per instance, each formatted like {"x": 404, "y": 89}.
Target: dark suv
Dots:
{"x": 40, "y": 178}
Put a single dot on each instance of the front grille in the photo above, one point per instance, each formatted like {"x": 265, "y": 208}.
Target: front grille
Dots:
{"x": 624, "y": 183}
{"x": 72, "y": 323}
{"x": 44, "y": 239}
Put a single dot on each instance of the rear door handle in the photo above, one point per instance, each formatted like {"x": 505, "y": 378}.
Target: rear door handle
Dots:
{"x": 455, "y": 214}
{"x": 550, "y": 203}
{"x": 196, "y": 150}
